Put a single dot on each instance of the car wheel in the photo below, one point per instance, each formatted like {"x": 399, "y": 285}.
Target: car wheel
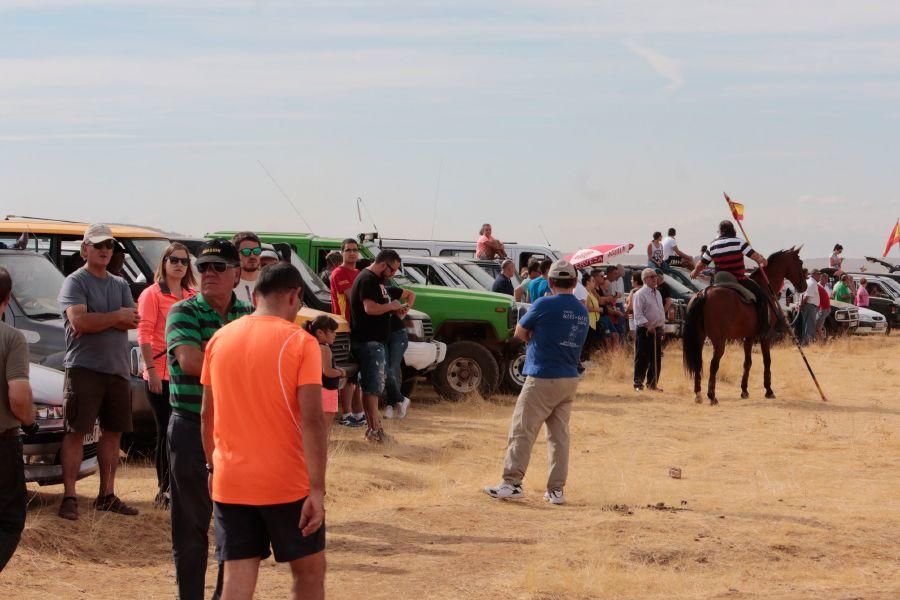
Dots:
{"x": 513, "y": 377}
{"x": 468, "y": 368}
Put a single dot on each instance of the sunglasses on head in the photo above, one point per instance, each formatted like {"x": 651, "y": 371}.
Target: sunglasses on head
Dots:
{"x": 254, "y": 251}
{"x": 104, "y": 245}
{"x": 219, "y": 267}
{"x": 174, "y": 260}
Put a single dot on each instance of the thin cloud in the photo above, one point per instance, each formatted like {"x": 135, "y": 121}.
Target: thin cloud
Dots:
{"x": 665, "y": 66}
{"x": 57, "y": 137}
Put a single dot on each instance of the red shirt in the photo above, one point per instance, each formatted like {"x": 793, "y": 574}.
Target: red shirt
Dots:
{"x": 824, "y": 300}
{"x": 342, "y": 280}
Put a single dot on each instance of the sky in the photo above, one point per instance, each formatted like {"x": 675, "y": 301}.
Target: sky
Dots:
{"x": 588, "y": 121}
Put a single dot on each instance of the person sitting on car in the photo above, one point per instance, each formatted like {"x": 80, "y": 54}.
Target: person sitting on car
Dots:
{"x": 487, "y": 247}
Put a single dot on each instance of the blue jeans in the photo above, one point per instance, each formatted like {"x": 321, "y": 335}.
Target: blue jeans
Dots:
{"x": 810, "y": 314}
{"x": 397, "y": 345}
{"x": 372, "y": 358}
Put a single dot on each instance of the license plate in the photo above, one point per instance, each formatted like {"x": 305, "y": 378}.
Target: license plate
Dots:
{"x": 92, "y": 437}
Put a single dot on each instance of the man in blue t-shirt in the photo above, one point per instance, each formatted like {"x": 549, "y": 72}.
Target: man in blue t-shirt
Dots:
{"x": 540, "y": 287}
{"x": 555, "y": 329}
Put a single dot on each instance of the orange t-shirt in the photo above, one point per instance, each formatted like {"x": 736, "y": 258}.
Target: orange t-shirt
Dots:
{"x": 258, "y": 459}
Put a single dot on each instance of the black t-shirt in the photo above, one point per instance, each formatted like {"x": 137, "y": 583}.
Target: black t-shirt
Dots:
{"x": 664, "y": 291}
{"x": 365, "y": 327}
{"x": 503, "y": 285}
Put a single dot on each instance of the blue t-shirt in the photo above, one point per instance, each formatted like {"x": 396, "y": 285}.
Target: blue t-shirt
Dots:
{"x": 538, "y": 288}
{"x": 559, "y": 325}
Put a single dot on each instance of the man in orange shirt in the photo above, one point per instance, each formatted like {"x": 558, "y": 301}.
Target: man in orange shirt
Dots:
{"x": 264, "y": 439}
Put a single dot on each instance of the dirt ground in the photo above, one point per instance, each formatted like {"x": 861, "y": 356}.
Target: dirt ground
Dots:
{"x": 788, "y": 498}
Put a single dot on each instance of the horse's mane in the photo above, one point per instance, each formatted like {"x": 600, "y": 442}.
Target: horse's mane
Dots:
{"x": 773, "y": 256}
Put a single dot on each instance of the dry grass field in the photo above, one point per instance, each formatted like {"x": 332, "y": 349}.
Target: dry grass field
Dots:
{"x": 789, "y": 498}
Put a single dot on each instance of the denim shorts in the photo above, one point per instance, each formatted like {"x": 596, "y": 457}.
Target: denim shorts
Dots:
{"x": 372, "y": 358}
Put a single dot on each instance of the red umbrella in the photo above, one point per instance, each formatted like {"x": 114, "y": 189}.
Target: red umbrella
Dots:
{"x": 596, "y": 255}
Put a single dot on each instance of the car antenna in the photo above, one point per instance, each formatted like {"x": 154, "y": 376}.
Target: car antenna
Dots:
{"x": 362, "y": 203}
{"x": 549, "y": 245}
{"x": 286, "y": 197}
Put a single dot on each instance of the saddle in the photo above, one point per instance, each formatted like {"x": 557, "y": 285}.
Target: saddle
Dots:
{"x": 725, "y": 279}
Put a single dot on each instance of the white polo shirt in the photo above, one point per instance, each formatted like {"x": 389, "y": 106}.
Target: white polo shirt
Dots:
{"x": 812, "y": 291}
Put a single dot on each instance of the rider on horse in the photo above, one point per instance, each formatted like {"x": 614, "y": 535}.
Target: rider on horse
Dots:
{"x": 727, "y": 252}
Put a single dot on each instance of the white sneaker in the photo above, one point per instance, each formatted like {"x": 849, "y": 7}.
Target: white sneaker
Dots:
{"x": 505, "y": 491}
{"x": 403, "y": 408}
{"x": 389, "y": 411}
{"x": 554, "y": 497}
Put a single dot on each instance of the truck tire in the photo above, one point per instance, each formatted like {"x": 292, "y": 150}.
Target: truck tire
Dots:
{"x": 469, "y": 367}
{"x": 513, "y": 378}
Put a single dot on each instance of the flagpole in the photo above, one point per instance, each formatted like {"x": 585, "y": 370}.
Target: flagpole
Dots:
{"x": 778, "y": 304}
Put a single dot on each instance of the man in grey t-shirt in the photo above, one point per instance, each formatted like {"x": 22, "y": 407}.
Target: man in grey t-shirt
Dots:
{"x": 98, "y": 311}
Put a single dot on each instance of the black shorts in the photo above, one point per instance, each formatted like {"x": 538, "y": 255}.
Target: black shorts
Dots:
{"x": 244, "y": 531}
{"x": 90, "y": 394}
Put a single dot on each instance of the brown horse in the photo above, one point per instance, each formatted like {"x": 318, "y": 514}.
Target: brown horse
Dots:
{"x": 719, "y": 314}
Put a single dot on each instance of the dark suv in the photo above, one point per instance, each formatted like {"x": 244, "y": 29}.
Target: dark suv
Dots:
{"x": 34, "y": 311}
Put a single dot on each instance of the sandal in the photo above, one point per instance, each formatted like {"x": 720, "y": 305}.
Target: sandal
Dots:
{"x": 112, "y": 503}
{"x": 68, "y": 508}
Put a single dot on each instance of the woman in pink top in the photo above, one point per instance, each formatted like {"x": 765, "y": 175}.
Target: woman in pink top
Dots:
{"x": 862, "y": 294}
{"x": 488, "y": 248}
{"x": 174, "y": 282}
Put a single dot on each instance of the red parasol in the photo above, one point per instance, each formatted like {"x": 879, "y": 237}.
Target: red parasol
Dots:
{"x": 596, "y": 255}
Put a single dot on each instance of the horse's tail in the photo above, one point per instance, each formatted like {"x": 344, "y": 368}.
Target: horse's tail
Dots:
{"x": 693, "y": 335}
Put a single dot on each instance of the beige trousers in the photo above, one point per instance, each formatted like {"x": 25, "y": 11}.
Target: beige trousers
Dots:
{"x": 541, "y": 401}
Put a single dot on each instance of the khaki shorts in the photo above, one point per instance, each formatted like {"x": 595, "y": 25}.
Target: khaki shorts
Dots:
{"x": 90, "y": 395}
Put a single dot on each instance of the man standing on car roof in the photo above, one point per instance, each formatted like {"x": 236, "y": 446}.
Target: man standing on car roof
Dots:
{"x": 190, "y": 325}
{"x": 15, "y": 410}
{"x": 98, "y": 311}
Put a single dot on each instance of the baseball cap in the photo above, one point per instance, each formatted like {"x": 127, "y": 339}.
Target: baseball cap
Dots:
{"x": 562, "y": 269}
{"x": 268, "y": 251}
{"x": 97, "y": 233}
{"x": 218, "y": 250}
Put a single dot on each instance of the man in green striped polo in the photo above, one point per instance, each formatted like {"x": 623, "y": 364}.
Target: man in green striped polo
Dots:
{"x": 190, "y": 325}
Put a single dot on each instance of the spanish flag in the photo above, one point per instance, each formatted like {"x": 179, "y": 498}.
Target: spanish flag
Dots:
{"x": 737, "y": 209}
{"x": 893, "y": 239}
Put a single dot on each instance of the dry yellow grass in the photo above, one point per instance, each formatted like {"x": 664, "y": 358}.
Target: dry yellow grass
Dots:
{"x": 791, "y": 498}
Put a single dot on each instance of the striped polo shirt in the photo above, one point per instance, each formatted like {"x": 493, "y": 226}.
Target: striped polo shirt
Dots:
{"x": 193, "y": 322}
{"x": 728, "y": 255}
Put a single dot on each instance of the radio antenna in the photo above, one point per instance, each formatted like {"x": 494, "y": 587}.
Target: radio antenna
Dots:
{"x": 286, "y": 197}
{"x": 361, "y": 202}
{"x": 549, "y": 245}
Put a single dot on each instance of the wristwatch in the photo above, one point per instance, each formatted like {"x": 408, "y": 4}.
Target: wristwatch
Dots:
{"x": 209, "y": 468}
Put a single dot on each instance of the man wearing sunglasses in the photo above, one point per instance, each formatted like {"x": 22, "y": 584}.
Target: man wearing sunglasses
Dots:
{"x": 190, "y": 325}
{"x": 98, "y": 311}
{"x": 250, "y": 250}
{"x": 370, "y": 310}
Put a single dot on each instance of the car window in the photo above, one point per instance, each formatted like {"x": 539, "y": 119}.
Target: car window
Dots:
{"x": 30, "y": 242}
{"x": 151, "y": 250}
{"x": 36, "y": 284}
{"x": 892, "y": 286}
{"x": 464, "y": 278}
{"x": 413, "y": 273}
{"x": 312, "y": 281}
{"x": 478, "y": 274}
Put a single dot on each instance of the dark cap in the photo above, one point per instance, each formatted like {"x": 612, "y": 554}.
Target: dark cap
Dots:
{"x": 218, "y": 250}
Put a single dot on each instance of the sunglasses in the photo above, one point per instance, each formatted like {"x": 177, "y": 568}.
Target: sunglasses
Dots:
{"x": 104, "y": 245}
{"x": 254, "y": 251}
{"x": 174, "y": 260}
{"x": 219, "y": 267}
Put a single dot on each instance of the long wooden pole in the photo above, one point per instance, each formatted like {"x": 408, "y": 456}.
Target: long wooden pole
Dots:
{"x": 778, "y": 306}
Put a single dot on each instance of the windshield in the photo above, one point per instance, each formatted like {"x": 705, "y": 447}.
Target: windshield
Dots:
{"x": 36, "y": 284}
{"x": 478, "y": 273}
{"x": 467, "y": 280}
{"x": 151, "y": 250}
{"x": 677, "y": 288}
{"x": 311, "y": 280}
{"x": 892, "y": 286}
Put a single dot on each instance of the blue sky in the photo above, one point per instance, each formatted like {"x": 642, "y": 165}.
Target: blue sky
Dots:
{"x": 600, "y": 121}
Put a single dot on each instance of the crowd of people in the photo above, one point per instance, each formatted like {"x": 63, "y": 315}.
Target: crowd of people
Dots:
{"x": 244, "y": 398}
